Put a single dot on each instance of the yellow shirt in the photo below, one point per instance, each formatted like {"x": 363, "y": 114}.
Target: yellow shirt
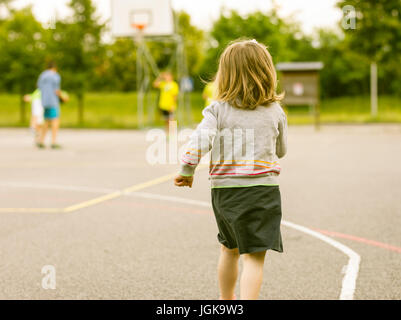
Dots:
{"x": 209, "y": 92}
{"x": 168, "y": 94}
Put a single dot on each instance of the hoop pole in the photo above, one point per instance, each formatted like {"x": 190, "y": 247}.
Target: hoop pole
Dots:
{"x": 145, "y": 60}
{"x": 139, "y": 85}
{"x": 150, "y": 60}
{"x": 182, "y": 72}
{"x": 187, "y": 101}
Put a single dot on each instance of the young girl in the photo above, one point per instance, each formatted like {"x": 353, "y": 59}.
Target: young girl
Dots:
{"x": 246, "y": 132}
{"x": 37, "y": 112}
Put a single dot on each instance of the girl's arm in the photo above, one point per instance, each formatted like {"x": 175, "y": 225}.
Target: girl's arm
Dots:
{"x": 281, "y": 143}
{"x": 199, "y": 144}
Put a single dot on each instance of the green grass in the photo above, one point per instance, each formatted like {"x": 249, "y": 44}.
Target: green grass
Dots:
{"x": 118, "y": 111}
{"x": 349, "y": 110}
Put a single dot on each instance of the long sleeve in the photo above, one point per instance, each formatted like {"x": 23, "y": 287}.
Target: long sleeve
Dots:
{"x": 200, "y": 142}
{"x": 281, "y": 143}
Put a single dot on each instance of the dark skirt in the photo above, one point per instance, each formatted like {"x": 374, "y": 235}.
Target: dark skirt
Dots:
{"x": 248, "y": 218}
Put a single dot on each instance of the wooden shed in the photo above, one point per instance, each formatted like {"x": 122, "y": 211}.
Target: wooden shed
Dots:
{"x": 300, "y": 82}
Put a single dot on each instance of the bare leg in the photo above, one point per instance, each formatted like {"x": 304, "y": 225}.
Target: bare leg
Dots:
{"x": 228, "y": 272}
{"x": 252, "y": 275}
{"x": 33, "y": 123}
{"x": 38, "y": 132}
{"x": 167, "y": 127}
{"x": 55, "y": 123}
{"x": 43, "y": 132}
{"x": 169, "y": 123}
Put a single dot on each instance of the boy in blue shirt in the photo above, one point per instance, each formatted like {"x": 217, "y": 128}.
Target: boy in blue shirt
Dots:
{"x": 49, "y": 85}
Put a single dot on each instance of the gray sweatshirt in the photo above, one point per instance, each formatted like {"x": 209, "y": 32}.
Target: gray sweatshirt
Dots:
{"x": 244, "y": 145}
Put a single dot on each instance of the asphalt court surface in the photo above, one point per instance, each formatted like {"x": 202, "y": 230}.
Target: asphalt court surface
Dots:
{"x": 159, "y": 241}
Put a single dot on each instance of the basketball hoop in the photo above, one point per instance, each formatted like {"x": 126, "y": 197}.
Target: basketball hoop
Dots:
{"x": 140, "y": 19}
{"x": 145, "y": 21}
{"x": 146, "y": 17}
{"x": 138, "y": 26}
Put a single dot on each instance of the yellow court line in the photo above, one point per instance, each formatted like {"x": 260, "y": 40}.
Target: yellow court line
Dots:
{"x": 149, "y": 183}
{"x": 101, "y": 199}
{"x": 118, "y": 194}
{"x": 92, "y": 202}
{"x": 31, "y": 210}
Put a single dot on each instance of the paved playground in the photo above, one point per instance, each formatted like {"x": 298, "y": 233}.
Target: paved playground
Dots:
{"x": 115, "y": 227}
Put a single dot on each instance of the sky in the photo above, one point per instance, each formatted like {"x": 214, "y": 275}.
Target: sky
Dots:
{"x": 310, "y": 13}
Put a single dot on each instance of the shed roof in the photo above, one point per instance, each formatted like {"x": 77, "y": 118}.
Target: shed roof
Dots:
{"x": 299, "y": 66}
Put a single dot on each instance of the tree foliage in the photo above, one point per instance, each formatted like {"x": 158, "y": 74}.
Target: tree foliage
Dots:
{"x": 377, "y": 38}
{"x": 88, "y": 63}
{"x": 22, "y": 49}
{"x": 75, "y": 44}
{"x": 378, "y": 27}
{"x": 284, "y": 39}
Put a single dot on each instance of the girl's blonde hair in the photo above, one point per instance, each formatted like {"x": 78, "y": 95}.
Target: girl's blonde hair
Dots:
{"x": 246, "y": 77}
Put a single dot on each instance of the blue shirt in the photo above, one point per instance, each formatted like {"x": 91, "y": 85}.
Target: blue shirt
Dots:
{"x": 49, "y": 83}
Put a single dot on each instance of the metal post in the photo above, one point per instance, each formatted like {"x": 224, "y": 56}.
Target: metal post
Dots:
{"x": 139, "y": 76}
{"x": 181, "y": 111}
{"x": 373, "y": 89}
{"x": 145, "y": 84}
{"x": 145, "y": 65}
{"x": 149, "y": 59}
{"x": 187, "y": 104}
{"x": 184, "y": 107}
{"x": 317, "y": 116}
{"x": 317, "y": 105}
{"x": 150, "y": 106}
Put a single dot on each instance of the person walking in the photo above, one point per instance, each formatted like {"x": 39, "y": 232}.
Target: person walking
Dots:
{"x": 49, "y": 85}
{"x": 245, "y": 130}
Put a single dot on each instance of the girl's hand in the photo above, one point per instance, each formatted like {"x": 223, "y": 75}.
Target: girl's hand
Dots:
{"x": 181, "y": 181}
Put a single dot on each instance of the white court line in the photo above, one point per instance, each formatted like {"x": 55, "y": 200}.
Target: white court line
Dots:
{"x": 351, "y": 269}
{"x": 170, "y": 198}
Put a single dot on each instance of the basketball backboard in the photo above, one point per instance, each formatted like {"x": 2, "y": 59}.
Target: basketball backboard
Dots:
{"x": 153, "y": 17}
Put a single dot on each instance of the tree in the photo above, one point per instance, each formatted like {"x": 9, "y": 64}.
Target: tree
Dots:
{"x": 118, "y": 71}
{"x": 341, "y": 75}
{"x": 282, "y": 38}
{"x": 75, "y": 44}
{"x": 194, "y": 42}
{"x": 22, "y": 51}
{"x": 376, "y": 34}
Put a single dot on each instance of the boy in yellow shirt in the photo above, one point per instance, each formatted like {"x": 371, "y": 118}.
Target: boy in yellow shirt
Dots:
{"x": 209, "y": 93}
{"x": 168, "y": 96}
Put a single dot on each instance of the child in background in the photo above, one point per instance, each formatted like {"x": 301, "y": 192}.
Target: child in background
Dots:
{"x": 245, "y": 193}
{"x": 37, "y": 111}
{"x": 49, "y": 85}
{"x": 209, "y": 93}
{"x": 168, "y": 96}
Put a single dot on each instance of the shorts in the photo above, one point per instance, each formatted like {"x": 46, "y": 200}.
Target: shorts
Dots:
{"x": 52, "y": 113}
{"x": 248, "y": 218}
{"x": 37, "y": 111}
{"x": 166, "y": 114}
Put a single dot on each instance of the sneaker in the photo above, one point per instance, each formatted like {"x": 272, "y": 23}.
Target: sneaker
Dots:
{"x": 40, "y": 145}
{"x": 55, "y": 146}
